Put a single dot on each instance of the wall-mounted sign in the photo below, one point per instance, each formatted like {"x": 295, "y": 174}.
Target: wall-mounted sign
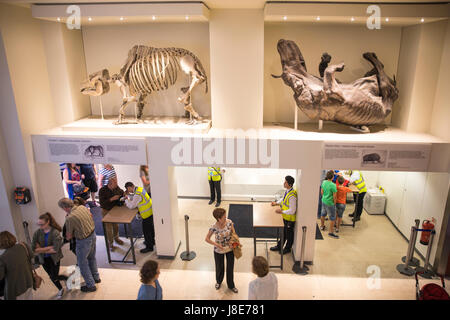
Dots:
{"x": 383, "y": 157}
{"x": 97, "y": 150}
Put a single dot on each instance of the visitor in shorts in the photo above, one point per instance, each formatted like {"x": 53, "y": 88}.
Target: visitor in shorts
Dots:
{"x": 329, "y": 191}
{"x": 341, "y": 199}
{"x": 90, "y": 179}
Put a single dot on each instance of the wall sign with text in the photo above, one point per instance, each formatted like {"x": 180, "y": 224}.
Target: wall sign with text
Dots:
{"x": 389, "y": 157}
{"x": 80, "y": 150}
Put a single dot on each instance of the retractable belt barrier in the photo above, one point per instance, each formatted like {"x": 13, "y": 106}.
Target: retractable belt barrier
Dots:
{"x": 301, "y": 268}
{"x": 187, "y": 255}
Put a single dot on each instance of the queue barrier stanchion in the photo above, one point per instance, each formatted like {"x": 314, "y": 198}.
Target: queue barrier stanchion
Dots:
{"x": 424, "y": 271}
{"x": 414, "y": 262}
{"x": 187, "y": 255}
{"x": 405, "y": 268}
{"x": 301, "y": 268}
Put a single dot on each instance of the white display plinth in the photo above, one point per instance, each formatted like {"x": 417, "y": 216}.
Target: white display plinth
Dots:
{"x": 150, "y": 125}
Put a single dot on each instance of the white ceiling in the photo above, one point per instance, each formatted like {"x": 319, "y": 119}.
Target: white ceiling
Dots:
{"x": 215, "y": 4}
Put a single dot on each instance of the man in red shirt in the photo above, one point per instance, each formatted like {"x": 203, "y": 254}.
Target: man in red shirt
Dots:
{"x": 341, "y": 198}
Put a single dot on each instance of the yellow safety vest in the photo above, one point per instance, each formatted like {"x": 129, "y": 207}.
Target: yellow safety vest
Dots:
{"x": 285, "y": 205}
{"x": 145, "y": 205}
{"x": 360, "y": 184}
{"x": 214, "y": 174}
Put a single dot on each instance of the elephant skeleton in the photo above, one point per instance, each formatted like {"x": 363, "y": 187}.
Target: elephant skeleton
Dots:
{"x": 149, "y": 69}
{"x": 364, "y": 102}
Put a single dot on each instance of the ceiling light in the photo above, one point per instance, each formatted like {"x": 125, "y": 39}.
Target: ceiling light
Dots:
{"x": 284, "y": 18}
{"x": 387, "y": 19}
{"x": 121, "y": 18}
{"x": 59, "y": 19}
{"x": 187, "y": 17}
{"x": 90, "y": 19}
{"x": 153, "y": 18}
{"x": 353, "y": 19}
{"x": 318, "y": 18}
{"x": 422, "y": 20}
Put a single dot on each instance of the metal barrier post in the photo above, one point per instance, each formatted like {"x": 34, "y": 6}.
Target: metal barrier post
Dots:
{"x": 414, "y": 262}
{"x": 424, "y": 271}
{"x": 300, "y": 268}
{"x": 405, "y": 268}
{"x": 187, "y": 255}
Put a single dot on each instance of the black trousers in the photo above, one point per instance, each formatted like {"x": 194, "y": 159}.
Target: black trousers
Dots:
{"x": 288, "y": 234}
{"x": 359, "y": 200}
{"x": 148, "y": 228}
{"x": 52, "y": 270}
{"x": 219, "y": 258}
{"x": 214, "y": 187}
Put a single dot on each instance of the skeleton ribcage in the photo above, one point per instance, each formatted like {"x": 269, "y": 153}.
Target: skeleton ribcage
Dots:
{"x": 153, "y": 72}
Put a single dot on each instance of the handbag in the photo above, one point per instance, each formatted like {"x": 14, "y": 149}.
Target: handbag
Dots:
{"x": 37, "y": 280}
{"x": 236, "y": 245}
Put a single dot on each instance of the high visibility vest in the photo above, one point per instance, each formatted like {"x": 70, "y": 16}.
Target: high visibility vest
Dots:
{"x": 214, "y": 174}
{"x": 360, "y": 183}
{"x": 285, "y": 205}
{"x": 145, "y": 205}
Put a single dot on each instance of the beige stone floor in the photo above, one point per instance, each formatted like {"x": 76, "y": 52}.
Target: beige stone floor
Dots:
{"x": 340, "y": 269}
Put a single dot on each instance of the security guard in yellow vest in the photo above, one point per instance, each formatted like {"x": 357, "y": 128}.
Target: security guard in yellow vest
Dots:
{"x": 357, "y": 179}
{"x": 137, "y": 197}
{"x": 214, "y": 178}
{"x": 288, "y": 209}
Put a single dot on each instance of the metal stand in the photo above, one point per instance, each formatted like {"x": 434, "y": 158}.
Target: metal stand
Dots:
{"x": 187, "y": 255}
{"x": 405, "y": 268}
{"x": 414, "y": 262}
{"x": 300, "y": 268}
{"x": 424, "y": 271}
{"x": 320, "y": 125}
{"x": 101, "y": 107}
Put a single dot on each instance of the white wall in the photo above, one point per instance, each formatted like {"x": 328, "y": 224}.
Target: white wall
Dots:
{"x": 343, "y": 42}
{"x": 237, "y": 66}
{"x": 441, "y": 109}
{"x": 237, "y": 183}
{"x": 416, "y": 195}
{"x": 108, "y": 46}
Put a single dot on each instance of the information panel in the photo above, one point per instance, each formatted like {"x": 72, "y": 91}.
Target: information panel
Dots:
{"x": 389, "y": 157}
{"x": 97, "y": 150}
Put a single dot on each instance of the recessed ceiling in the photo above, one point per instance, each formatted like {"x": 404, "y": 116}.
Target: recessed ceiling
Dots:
{"x": 218, "y": 4}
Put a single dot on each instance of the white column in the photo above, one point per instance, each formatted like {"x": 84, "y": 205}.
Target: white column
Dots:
{"x": 237, "y": 68}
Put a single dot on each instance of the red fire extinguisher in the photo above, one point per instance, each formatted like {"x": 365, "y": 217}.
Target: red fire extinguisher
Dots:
{"x": 425, "y": 237}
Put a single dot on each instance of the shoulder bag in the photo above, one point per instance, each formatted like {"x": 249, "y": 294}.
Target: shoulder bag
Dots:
{"x": 37, "y": 280}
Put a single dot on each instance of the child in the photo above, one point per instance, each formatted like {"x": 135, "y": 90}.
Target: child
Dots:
{"x": 341, "y": 197}
{"x": 328, "y": 203}
{"x": 150, "y": 288}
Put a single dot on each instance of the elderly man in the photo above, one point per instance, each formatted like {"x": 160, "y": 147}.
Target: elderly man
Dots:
{"x": 79, "y": 224}
{"x": 137, "y": 197}
{"x": 109, "y": 197}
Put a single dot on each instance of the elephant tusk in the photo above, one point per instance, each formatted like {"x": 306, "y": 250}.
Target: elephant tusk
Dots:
{"x": 276, "y": 77}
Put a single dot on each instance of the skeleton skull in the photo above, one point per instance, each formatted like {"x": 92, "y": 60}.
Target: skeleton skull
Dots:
{"x": 97, "y": 84}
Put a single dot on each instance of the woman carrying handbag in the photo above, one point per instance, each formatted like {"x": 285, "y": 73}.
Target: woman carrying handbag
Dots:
{"x": 15, "y": 268}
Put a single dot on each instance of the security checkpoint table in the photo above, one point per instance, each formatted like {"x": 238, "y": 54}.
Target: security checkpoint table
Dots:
{"x": 264, "y": 216}
{"x": 121, "y": 215}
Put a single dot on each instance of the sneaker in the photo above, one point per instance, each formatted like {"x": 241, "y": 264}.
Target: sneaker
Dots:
{"x": 351, "y": 215}
{"x": 60, "y": 294}
{"x": 88, "y": 289}
{"x": 217, "y": 204}
{"x": 210, "y": 201}
{"x": 276, "y": 248}
{"x": 285, "y": 250}
{"x": 333, "y": 235}
{"x": 235, "y": 290}
{"x": 98, "y": 280}
{"x": 322, "y": 228}
{"x": 118, "y": 241}
{"x": 217, "y": 286}
{"x": 356, "y": 219}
